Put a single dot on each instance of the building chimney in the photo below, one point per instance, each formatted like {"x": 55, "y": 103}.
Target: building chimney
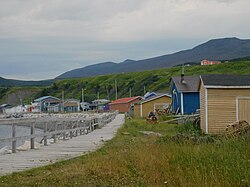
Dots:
{"x": 182, "y": 75}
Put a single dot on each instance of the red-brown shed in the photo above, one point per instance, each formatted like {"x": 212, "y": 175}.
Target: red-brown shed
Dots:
{"x": 123, "y": 105}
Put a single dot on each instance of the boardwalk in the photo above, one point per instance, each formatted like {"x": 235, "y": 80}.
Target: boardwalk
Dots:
{"x": 60, "y": 151}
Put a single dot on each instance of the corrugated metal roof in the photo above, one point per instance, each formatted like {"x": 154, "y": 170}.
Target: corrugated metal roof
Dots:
{"x": 154, "y": 97}
{"x": 225, "y": 80}
{"x": 124, "y": 100}
{"x": 45, "y": 98}
{"x": 190, "y": 83}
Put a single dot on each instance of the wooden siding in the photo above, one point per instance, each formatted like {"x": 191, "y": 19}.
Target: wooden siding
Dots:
{"x": 244, "y": 109}
{"x": 222, "y": 107}
{"x": 123, "y": 107}
{"x": 137, "y": 111}
{"x": 203, "y": 107}
{"x": 149, "y": 106}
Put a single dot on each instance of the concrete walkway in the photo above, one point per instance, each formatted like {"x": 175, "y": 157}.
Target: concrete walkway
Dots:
{"x": 59, "y": 151}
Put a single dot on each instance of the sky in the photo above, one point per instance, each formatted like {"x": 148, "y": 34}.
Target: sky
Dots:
{"x": 41, "y": 39}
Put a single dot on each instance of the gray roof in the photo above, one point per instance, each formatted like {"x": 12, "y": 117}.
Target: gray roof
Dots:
{"x": 45, "y": 98}
{"x": 190, "y": 83}
{"x": 226, "y": 80}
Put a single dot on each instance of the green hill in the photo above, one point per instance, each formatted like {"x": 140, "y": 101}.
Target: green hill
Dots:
{"x": 154, "y": 80}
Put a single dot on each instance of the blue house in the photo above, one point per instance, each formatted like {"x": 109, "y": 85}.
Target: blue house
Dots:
{"x": 185, "y": 94}
{"x": 47, "y": 104}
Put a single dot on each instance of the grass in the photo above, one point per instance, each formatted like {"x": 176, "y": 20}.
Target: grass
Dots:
{"x": 133, "y": 159}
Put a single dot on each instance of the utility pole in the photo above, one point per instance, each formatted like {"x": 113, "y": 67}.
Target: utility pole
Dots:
{"x": 82, "y": 95}
{"x": 116, "y": 92}
{"x": 108, "y": 94}
{"x": 63, "y": 101}
{"x": 130, "y": 92}
{"x": 98, "y": 95}
{"x": 144, "y": 89}
{"x": 182, "y": 71}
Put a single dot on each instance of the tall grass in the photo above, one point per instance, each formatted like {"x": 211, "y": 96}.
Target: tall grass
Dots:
{"x": 135, "y": 159}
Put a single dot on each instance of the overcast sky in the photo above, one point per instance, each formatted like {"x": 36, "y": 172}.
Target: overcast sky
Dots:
{"x": 40, "y": 39}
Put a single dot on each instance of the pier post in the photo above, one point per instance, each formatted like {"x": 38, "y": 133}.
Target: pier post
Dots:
{"x": 54, "y": 136}
{"x": 32, "y": 139}
{"x": 71, "y": 130}
{"x": 45, "y": 136}
{"x": 64, "y": 133}
{"x": 13, "y": 138}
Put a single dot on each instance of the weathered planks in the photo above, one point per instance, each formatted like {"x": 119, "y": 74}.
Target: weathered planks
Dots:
{"x": 61, "y": 150}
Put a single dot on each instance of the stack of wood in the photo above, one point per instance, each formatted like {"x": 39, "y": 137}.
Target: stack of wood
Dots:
{"x": 238, "y": 127}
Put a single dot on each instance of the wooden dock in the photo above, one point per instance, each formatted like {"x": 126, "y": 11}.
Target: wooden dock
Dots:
{"x": 59, "y": 151}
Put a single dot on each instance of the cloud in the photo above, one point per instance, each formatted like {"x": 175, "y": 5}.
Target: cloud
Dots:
{"x": 64, "y": 35}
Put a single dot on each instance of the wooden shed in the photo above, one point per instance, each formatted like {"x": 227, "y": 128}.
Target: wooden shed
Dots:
{"x": 185, "y": 94}
{"x": 153, "y": 103}
{"x": 224, "y": 99}
{"x": 123, "y": 105}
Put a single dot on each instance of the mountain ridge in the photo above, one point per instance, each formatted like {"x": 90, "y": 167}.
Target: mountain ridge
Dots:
{"x": 215, "y": 49}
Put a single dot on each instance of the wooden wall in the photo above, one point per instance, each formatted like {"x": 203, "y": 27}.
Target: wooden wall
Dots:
{"x": 149, "y": 106}
{"x": 203, "y": 107}
{"x": 222, "y": 107}
{"x": 244, "y": 109}
{"x": 123, "y": 107}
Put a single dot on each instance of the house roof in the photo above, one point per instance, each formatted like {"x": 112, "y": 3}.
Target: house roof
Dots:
{"x": 46, "y": 98}
{"x": 70, "y": 104}
{"x": 154, "y": 98}
{"x": 101, "y": 101}
{"x": 225, "y": 81}
{"x": 190, "y": 83}
{"x": 124, "y": 100}
{"x": 72, "y": 100}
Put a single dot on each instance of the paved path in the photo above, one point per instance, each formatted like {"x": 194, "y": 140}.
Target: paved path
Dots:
{"x": 59, "y": 151}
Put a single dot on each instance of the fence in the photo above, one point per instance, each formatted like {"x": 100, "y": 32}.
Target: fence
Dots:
{"x": 57, "y": 128}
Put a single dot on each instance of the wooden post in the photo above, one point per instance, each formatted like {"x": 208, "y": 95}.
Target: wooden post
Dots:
{"x": 13, "y": 138}
{"x": 45, "y": 136}
{"x": 32, "y": 139}
{"x": 71, "y": 130}
{"x": 77, "y": 125}
{"x": 64, "y": 133}
{"x": 90, "y": 123}
{"x": 54, "y": 136}
{"x": 81, "y": 125}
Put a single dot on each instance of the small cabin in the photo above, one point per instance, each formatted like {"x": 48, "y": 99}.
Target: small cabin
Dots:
{"x": 123, "y": 105}
{"x": 47, "y": 104}
{"x": 185, "y": 94}
{"x": 71, "y": 105}
{"x": 153, "y": 103}
{"x": 224, "y": 99}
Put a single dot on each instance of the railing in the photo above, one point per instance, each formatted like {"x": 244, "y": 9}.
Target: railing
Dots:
{"x": 57, "y": 128}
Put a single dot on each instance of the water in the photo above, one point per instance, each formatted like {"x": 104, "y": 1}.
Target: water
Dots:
{"x": 6, "y": 132}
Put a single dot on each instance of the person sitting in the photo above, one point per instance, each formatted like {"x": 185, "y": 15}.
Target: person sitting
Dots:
{"x": 151, "y": 116}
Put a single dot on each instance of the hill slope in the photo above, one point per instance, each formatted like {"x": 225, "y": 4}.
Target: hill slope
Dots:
{"x": 11, "y": 82}
{"x": 217, "y": 49}
{"x": 153, "y": 80}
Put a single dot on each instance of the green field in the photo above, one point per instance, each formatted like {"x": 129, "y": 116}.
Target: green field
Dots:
{"x": 133, "y": 159}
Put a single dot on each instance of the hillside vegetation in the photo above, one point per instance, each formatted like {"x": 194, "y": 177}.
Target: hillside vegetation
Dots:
{"x": 18, "y": 95}
{"x": 154, "y": 80}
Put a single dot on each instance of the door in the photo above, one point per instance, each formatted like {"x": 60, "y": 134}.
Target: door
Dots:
{"x": 244, "y": 109}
